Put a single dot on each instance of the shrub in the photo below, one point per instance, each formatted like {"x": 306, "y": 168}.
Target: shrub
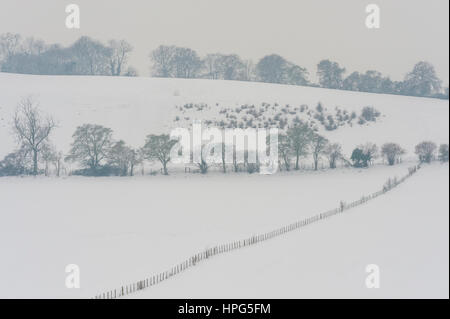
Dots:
{"x": 100, "y": 171}
{"x": 364, "y": 154}
{"x": 15, "y": 164}
{"x": 333, "y": 152}
{"x": 443, "y": 153}
{"x": 426, "y": 151}
{"x": 252, "y": 168}
{"x": 369, "y": 114}
{"x": 358, "y": 158}
{"x": 392, "y": 151}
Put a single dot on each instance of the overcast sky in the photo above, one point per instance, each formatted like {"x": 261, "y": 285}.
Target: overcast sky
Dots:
{"x": 303, "y": 31}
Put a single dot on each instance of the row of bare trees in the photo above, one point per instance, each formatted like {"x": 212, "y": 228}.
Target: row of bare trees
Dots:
{"x": 302, "y": 141}
{"x": 180, "y": 62}
{"x": 91, "y": 57}
{"x": 98, "y": 154}
{"x": 84, "y": 57}
{"x": 94, "y": 148}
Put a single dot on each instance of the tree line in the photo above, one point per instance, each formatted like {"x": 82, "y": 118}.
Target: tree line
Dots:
{"x": 98, "y": 154}
{"x": 91, "y": 57}
{"x": 179, "y": 62}
{"x": 85, "y": 56}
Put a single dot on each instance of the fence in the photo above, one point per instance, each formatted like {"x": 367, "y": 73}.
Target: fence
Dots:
{"x": 228, "y": 247}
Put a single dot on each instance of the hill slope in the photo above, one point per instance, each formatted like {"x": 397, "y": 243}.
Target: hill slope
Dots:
{"x": 123, "y": 229}
{"x": 404, "y": 232}
{"x": 135, "y": 107}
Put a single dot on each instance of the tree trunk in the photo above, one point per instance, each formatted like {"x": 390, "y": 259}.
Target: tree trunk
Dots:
{"x": 58, "y": 168}
{"x": 35, "y": 162}
{"x": 332, "y": 164}
{"x": 286, "y": 164}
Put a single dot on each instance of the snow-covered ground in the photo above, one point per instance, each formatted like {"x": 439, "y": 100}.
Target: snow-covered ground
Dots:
{"x": 136, "y": 107}
{"x": 120, "y": 230}
{"x": 405, "y": 233}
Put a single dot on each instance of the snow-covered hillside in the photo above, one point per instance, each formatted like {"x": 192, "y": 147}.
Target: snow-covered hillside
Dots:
{"x": 135, "y": 107}
{"x": 405, "y": 233}
{"x": 121, "y": 229}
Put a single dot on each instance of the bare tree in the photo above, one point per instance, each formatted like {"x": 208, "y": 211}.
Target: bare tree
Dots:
{"x": 9, "y": 44}
{"x": 223, "y": 157}
{"x": 32, "y": 46}
{"x": 426, "y": 151}
{"x": 124, "y": 158}
{"x": 157, "y": 147}
{"x": 211, "y": 64}
{"x": 249, "y": 71}
{"x": 330, "y": 74}
{"x": 272, "y": 69}
{"x": 135, "y": 158}
{"x": 32, "y": 129}
{"x": 299, "y": 136}
{"x": 236, "y": 155}
{"x": 186, "y": 62}
{"x": 119, "y": 156}
{"x": 91, "y": 145}
{"x": 318, "y": 145}
{"x": 47, "y": 157}
{"x": 162, "y": 59}
{"x": 231, "y": 67}
{"x": 203, "y": 164}
{"x": 392, "y": 151}
{"x": 120, "y": 51}
{"x": 370, "y": 151}
{"x": 333, "y": 152}
{"x": 443, "y": 153}
{"x": 284, "y": 151}
{"x": 422, "y": 80}
{"x": 57, "y": 162}
{"x": 50, "y": 156}
{"x": 91, "y": 57}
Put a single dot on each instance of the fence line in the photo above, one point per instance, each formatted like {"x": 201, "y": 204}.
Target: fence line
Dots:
{"x": 253, "y": 240}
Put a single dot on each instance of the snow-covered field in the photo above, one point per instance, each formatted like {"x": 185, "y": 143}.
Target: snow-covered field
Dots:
{"x": 120, "y": 230}
{"x": 136, "y": 107}
{"x": 405, "y": 233}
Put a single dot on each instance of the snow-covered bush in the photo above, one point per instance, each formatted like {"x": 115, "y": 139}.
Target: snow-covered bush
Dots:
{"x": 426, "y": 151}
{"x": 392, "y": 151}
{"x": 369, "y": 114}
{"x": 443, "y": 153}
{"x": 16, "y": 163}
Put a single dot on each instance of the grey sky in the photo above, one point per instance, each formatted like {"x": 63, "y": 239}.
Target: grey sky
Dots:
{"x": 303, "y": 31}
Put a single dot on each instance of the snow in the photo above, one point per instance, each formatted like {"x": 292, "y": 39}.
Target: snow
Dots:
{"x": 136, "y": 107}
{"x": 120, "y": 230}
{"x": 405, "y": 233}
